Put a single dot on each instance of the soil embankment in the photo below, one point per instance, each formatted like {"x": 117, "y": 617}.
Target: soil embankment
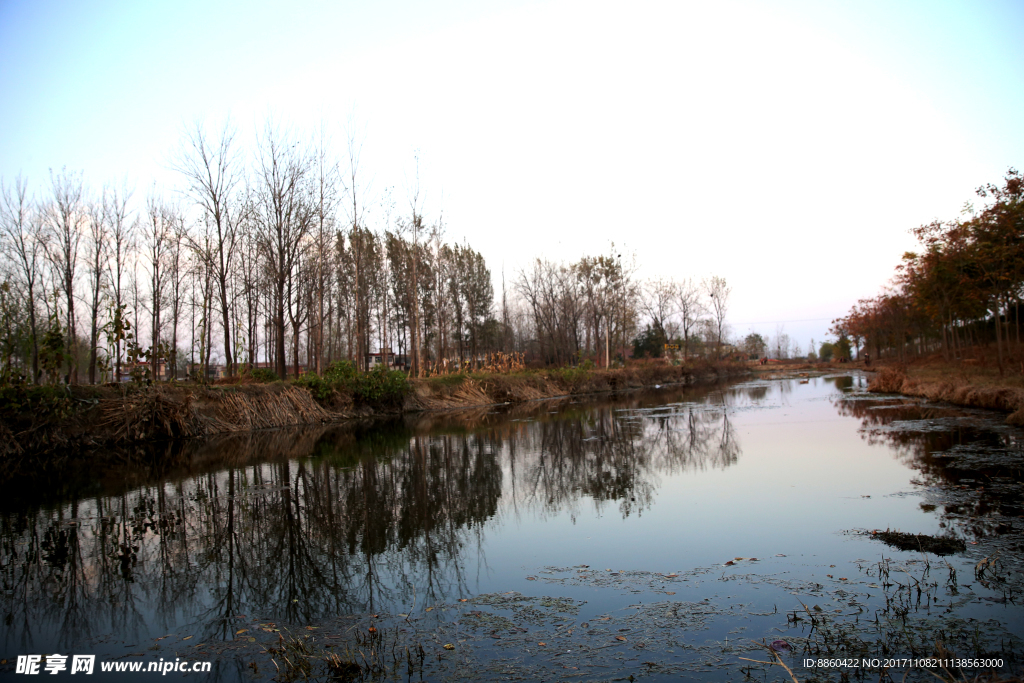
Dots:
{"x": 64, "y": 421}
{"x": 952, "y": 385}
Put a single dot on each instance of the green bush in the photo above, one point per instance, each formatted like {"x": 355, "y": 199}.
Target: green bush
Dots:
{"x": 570, "y": 377}
{"x": 263, "y": 375}
{"x": 316, "y": 385}
{"x": 380, "y": 387}
{"x": 18, "y": 399}
{"x": 342, "y": 372}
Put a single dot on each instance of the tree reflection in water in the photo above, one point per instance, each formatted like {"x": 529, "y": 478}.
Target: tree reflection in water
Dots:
{"x": 300, "y": 525}
{"x": 952, "y": 448}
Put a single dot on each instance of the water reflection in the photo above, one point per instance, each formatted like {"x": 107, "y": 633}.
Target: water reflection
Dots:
{"x": 950, "y": 448}
{"x": 297, "y": 525}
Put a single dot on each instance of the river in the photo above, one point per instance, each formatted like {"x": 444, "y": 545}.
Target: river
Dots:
{"x": 655, "y": 534}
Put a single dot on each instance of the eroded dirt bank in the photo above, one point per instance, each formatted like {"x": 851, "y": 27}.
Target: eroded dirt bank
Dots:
{"x": 953, "y": 387}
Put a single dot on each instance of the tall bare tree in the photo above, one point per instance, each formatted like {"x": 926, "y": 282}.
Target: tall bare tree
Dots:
{"x": 210, "y": 170}
{"x": 689, "y": 305}
{"x": 159, "y": 232}
{"x": 21, "y": 228}
{"x": 326, "y": 199}
{"x": 357, "y": 241}
{"x": 66, "y": 218}
{"x": 177, "y": 270}
{"x": 122, "y": 246}
{"x": 284, "y": 217}
{"x": 718, "y": 296}
{"x": 97, "y": 250}
{"x": 415, "y": 228}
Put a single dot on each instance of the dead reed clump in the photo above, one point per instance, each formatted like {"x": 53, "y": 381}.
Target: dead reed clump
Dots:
{"x": 995, "y": 398}
{"x": 160, "y": 413}
{"x": 889, "y": 380}
{"x": 273, "y": 408}
{"x": 150, "y": 414}
{"x": 516, "y": 388}
{"x": 9, "y": 446}
{"x": 446, "y": 391}
{"x": 973, "y": 392}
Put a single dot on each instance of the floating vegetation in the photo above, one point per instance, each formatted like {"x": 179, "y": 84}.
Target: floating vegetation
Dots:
{"x": 937, "y": 545}
{"x": 879, "y": 610}
{"x": 370, "y": 654}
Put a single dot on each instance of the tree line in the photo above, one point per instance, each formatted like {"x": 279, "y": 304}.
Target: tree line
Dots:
{"x": 961, "y": 288}
{"x": 267, "y": 256}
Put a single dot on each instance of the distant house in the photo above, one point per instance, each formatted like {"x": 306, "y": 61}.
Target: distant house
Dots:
{"x": 270, "y": 365}
{"x": 386, "y": 357}
{"x": 158, "y": 371}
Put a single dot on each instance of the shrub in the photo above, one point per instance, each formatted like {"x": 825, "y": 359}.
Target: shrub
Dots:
{"x": 379, "y": 388}
{"x": 316, "y": 385}
{"x": 263, "y": 375}
{"x": 570, "y": 378}
{"x": 342, "y": 372}
{"x": 382, "y": 387}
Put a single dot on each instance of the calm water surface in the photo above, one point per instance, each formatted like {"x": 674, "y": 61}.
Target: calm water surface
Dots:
{"x": 592, "y": 501}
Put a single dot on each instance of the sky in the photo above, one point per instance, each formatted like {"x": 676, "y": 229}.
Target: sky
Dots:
{"x": 786, "y": 146}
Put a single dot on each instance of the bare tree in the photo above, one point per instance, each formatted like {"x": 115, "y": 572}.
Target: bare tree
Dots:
{"x": 691, "y": 309}
{"x": 66, "y": 217}
{"x": 250, "y": 276}
{"x": 97, "y": 250}
{"x": 22, "y": 241}
{"x": 658, "y": 301}
{"x": 599, "y": 277}
{"x": 202, "y": 285}
{"x": 122, "y": 245}
{"x": 158, "y": 234}
{"x": 357, "y": 240}
{"x": 326, "y": 199}
{"x": 284, "y": 217}
{"x": 782, "y": 342}
{"x": 177, "y": 267}
{"x": 415, "y": 228}
{"x": 210, "y": 170}
{"x": 718, "y": 295}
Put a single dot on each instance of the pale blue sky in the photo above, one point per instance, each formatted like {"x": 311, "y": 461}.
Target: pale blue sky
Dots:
{"x": 787, "y": 146}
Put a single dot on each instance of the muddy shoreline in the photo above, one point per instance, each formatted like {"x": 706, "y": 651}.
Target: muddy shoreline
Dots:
{"x": 68, "y": 422}
{"x": 952, "y": 384}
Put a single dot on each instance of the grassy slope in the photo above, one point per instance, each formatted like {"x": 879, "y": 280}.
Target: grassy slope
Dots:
{"x": 976, "y": 383}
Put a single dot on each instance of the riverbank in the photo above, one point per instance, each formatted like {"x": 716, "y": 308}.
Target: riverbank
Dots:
{"x": 968, "y": 384}
{"x": 62, "y": 421}
{"x": 593, "y": 604}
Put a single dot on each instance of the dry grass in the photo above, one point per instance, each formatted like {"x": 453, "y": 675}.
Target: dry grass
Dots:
{"x": 185, "y": 411}
{"x": 976, "y": 385}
